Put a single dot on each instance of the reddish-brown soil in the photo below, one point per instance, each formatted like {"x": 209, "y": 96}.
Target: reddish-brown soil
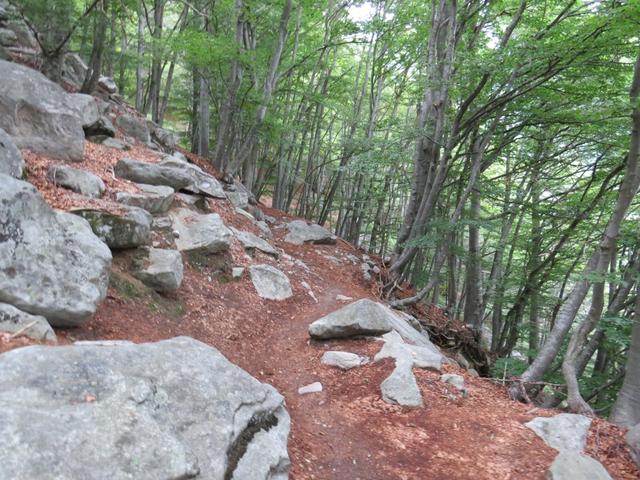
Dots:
{"x": 346, "y": 431}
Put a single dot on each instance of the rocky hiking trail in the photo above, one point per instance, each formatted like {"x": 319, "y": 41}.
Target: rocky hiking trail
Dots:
{"x": 347, "y": 430}
{"x": 212, "y": 261}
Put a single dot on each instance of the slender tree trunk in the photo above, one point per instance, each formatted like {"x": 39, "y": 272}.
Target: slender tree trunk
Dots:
{"x": 97, "y": 52}
{"x": 626, "y": 410}
{"x": 140, "y": 73}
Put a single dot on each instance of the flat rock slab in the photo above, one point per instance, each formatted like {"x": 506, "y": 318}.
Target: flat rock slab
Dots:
{"x": 575, "y": 466}
{"x": 159, "y": 269}
{"x": 128, "y": 229}
{"x": 152, "y": 174}
{"x": 15, "y": 321}
{"x": 633, "y": 440}
{"x": 252, "y": 242}
{"x": 80, "y": 181}
{"x": 152, "y": 198}
{"x": 344, "y": 360}
{"x": 51, "y": 263}
{"x": 11, "y": 161}
{"x": 38, "y": 115}
{"x": 401, "y": 388}
{"x": 415, "y": 355}
{"x": 201, "y": 182}
{"x": 270, "y": 283}
{"x": 564, "y": 432}
{"x": 175, "y": 409}
{"x": 300, "y": 232}
{"x": 200, "y": 233}
{"x": 363, "y": 317}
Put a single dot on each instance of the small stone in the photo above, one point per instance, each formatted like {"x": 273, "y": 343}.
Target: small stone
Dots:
{"x": 456, "y": 380}
{"x": 343, "y": 298}
{"x": 237, "y": 272}
{"x": 315, "y": 387}
{"x": 344, "y": 360}
{"x": 570, "y": 465}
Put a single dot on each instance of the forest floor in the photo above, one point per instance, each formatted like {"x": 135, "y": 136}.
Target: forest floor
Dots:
{"x": 346, "y": 431}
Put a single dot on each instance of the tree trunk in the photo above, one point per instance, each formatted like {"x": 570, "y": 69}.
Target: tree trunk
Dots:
{"x": 626, "y": 410}
{"x": 97, "y": 52}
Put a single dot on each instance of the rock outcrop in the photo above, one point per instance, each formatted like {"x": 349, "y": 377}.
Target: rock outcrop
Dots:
{"x": 159, "y": 269}
{"x": 401, "y": 387}
{"x": 175, "y": 409}
{"x": 134, "y": 127}
{"x": 152, "y": 174}
{"x": 152, "y": 198}
{"x": 127, "y": 229}
{"x": 51, "y": 263}
{"x": 633, "y": 440}
{"x": 79, "y": 181}
{"x": 36, "y": 113}
{"x": 301, "y": 232}
{"x": 564, "y": 432}
{"x": 270, "y": 283}
{"x": 201, "y": 182}
{"x": 11, "y": 162}
{"x": 252, "y": 242}
{"x": 15, "y": 321}
{"x": 200, "y": 233}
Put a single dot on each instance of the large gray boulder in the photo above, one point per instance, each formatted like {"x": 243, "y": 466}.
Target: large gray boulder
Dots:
{"x": 11, "y": 161}
{"x": 86, "y": 107}
{"x": 134, "y": 127}
{"x": 14, "y": 320}
{"x": 200, "y": 233}
{"x": 36, "y": 113}
{"x": 51, "y": 263}
{"x": 159, "y": 269}
{"x": 201, "y": 182}
{"x": 270, "y": 283}
{"x": 79, "y": 181}
{"x": 570, "y": 465}
{"x": 363, "y": 317}
{"x": 564, "y": 432}
{"x": 301, "y": 232}
{"x": 252, "y": 242}
{"x": 152, "y": 174}
{"x": 152, "y": 198}
{"x": 175, "y": 409}
{"x": 633, "y": 440}
{"x": 129, "y": 228}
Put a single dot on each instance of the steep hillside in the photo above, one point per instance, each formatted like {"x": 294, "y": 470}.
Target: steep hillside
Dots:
{"x": 347, "y": 430}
